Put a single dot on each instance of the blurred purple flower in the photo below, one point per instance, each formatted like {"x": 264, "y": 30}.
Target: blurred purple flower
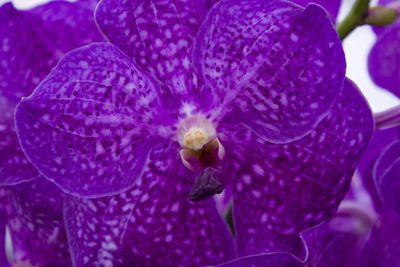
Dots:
{"x": 384, "y": 58}
{"x": 370, "y": 237}
{"x": 33, "y": 213}
{"x": 381, "y": 139}
{"x": 379, "y": 246}
{"x": 3, "y": 221}
{"x": 31, "y": 42}
{"x": 181, "y": 104}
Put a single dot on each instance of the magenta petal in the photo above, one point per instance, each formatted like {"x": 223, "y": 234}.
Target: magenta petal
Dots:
{"x": 295, "y": 186}
{"x": 152, "y": 224}
{"x": 271, "y": 65}
{"x": 31, "y": 42}
{"x": 384, "y": 60}
{"x": 89, "y": 125}
{"x": 36, "y": 224}
{"x": 158, "y": 35}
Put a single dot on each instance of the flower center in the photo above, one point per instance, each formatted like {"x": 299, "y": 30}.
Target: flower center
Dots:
{"x": 200, "y": 145}
{"x": 195, "y": 138}
{"x": 194, "y": 132}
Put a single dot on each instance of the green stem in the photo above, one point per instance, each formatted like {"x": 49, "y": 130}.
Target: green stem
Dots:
{"x": 354, "y": 19}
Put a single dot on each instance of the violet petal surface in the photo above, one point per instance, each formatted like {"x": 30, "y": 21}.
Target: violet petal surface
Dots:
{"x": 95, "y": 119}
{"x": 330, "y": 5}
{"x": 266, "y": 64}
{"x": 35, "y": 219}
{"x": 152, "y": 224}
{"x": 387, "y": 176}
{"x": 31, "y": 45}
{"x": 384, "y": 60}
{"x": 296, "y": 185}
{"x": 158, "y": 36}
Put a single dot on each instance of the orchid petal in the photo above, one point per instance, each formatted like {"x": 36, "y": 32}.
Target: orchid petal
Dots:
{"x": 380, "y": 140}
{"x": 89, "y": 125}
{"x": 387, "y": 176}
{"x": 152, "y": 224}
{"x": 159, "y": 36}
{"x": 332, "y": 6}
{"x": 384, "y": 60}
{"x": 270, "y": 64}
{"x": 297, "y": 185}
{"x": 383, "y": 247}
{"x": 36, "y": 224}
{"x": 30, "y": 44}
{"x": 3, "y": 257}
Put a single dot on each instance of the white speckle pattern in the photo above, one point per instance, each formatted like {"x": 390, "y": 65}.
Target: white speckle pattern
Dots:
{"x": 258, "y": 59}
{"x": 98, "y": 127}
{"x": 165, "y": 230}
{"x": 158, "y": 35}
{"x": 303, "y": 182}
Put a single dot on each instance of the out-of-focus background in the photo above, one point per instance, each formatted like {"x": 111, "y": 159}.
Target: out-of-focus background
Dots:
{"x": 356, "y": 46}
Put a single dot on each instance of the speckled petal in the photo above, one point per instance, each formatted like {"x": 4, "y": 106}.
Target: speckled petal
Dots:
{"x": 151, "y": 224}
{"x": 383, "y": 247}
{"x": 36, "y": 224}
{"x": 387, "y": 176}
{"x": 271, "y": 65}
{"x": 89, "y": 125}
{"x": 297, "y": 185}
{"x": 159, "y": 36}
{"x": 332, "y": 6}
{"x": 384, "y": 60}
{"x": 30, "y": 44}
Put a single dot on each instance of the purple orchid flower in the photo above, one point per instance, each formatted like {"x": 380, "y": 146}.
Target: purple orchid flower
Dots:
{"x": 384, "y": 58}
{"x": 31, "y": 207}
{"x": 182, "y": 103}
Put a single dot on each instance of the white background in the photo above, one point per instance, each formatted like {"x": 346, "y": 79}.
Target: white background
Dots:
{"x": 356, "y": 46}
